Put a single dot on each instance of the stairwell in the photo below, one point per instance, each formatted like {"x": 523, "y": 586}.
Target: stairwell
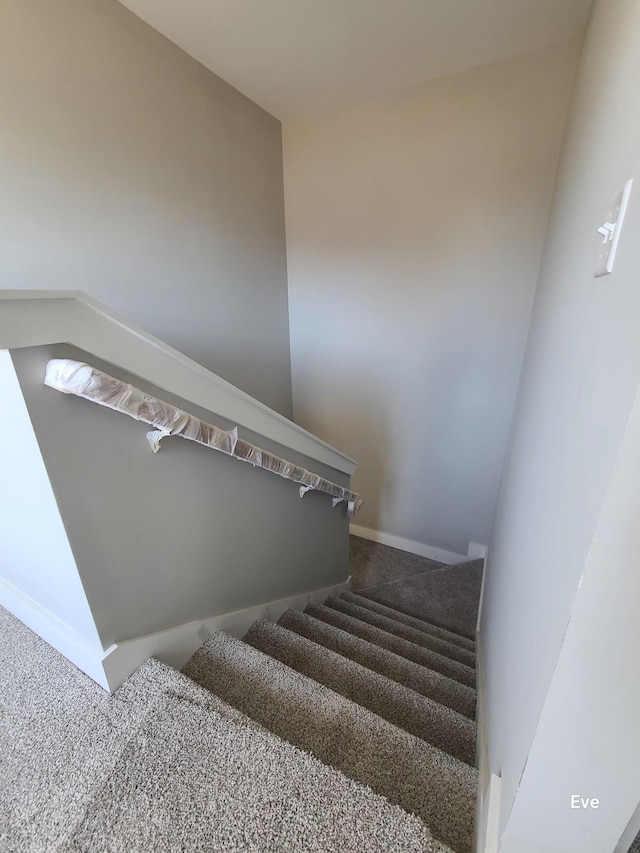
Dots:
{"x": 348, "y": 727}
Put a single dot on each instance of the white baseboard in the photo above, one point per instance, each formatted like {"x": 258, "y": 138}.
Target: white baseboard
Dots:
{"x": 630, "y": 833}
{"x": 176, "y": 645}
{"x": 418, "y": 548}
{"x": 54, "y": 631}
{"x": 482, "y": 589}
{"x": 476, "y": 551}
{"x": 488, "y": 799}
{"x": 492, "y": 811}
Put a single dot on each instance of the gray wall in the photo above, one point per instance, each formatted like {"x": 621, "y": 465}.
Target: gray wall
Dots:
{"x": 579, "y": 382}
{"x": 188, "y": 533}
{"x": 415, "y": 225}
{"x": 36, "y": 561}
{"x": 131, "y": 172}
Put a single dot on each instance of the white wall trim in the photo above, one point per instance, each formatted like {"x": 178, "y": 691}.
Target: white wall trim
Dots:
{"x": 176, "y": 645}
{"x": 54, "y": 631}
{"x": 489, "y": 784}
{"x": 476, "y": 551}
{"x": 419, "y": 548}
{"x": 630, "y": 833}
{"x": 482, "y": 588}
{"x": 491, "y": 841}
{"x": 39, "y": 318}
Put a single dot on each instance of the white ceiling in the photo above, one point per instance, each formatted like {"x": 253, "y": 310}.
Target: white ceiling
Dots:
{"x": 295, "y": 57}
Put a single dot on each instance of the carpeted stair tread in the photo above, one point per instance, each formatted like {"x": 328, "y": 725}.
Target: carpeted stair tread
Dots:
{"x": 441, "y": 662}
{"x": 422, "y": 717}
{"x": 447, "y": 597}
{"x": 419, "y": 678}
{"x": 418, "y": 654}
{"x": 411, "y": 621}
{"x": 450, "y": 650}
{"x": 164, "y": 764}
{"x": 419, "y": 777}
{"x": 193, "y": 778}
{"x": 371, "y": 563}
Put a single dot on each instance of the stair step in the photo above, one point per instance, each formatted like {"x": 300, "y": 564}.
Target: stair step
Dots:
{"x": 412, "y": 652}
{"x": 411, "y": 621}
{"x": 413, "y": 774}
{"x": 439, "y": 661}
{"x": 420, "y": 638}
{"x": 196, "y": 774}
{"x": 448, "y": 597}
{"x": 422, "y": 717}
{"x": 425, "y": 681}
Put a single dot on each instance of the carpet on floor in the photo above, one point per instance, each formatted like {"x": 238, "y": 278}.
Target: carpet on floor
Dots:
{"x": 165, "y": 765}
{"x": 371, "y": 563}
{"x": 448, "y": 597}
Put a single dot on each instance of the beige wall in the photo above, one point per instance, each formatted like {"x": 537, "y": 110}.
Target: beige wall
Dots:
{"x": 415, "y": 226}
{"x": 580, "y": 379}
{"x": 129, "y": 171}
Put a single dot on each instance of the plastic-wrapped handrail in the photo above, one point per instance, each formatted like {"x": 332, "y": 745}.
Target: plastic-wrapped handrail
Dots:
{"x": 75, "y": 377}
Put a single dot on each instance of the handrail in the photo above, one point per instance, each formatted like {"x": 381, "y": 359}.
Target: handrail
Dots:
{"x": 82, "y": 380}
{"x": 30, "y": 318}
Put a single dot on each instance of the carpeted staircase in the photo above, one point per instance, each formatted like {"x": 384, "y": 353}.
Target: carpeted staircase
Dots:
{"x": 383, "y": 697}
{"x": 349, "y": 727}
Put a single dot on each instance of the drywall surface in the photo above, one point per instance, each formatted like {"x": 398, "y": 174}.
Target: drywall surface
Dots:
{"x": 588, "y": 739}
{"x": 39, "y": 318}
{"x": 131, "y": 172}
{"x": 579, "y": 381}
{"x": 332, "y": 53}
{"x": 415, "y": 226}
{"x": 35, "y": 557}
{"x": 186, "y": 534}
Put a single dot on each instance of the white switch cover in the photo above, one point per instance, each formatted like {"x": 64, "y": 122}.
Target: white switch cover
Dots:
{"x": 609, "y": 232}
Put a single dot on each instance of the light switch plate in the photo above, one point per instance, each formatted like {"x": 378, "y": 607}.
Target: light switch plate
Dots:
{"x": 608, "y": 235}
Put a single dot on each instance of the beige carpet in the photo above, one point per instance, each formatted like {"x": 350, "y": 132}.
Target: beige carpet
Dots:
{"x": 165, "y": 766}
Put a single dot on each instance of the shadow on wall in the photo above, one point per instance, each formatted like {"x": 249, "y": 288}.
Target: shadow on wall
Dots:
{"x": 363, "y": 430}
{"x": 465, "y": 387}
{"x": 421, "y": 424}
{"x": 415, "y": 224}
{"x": 138, "y": 176}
